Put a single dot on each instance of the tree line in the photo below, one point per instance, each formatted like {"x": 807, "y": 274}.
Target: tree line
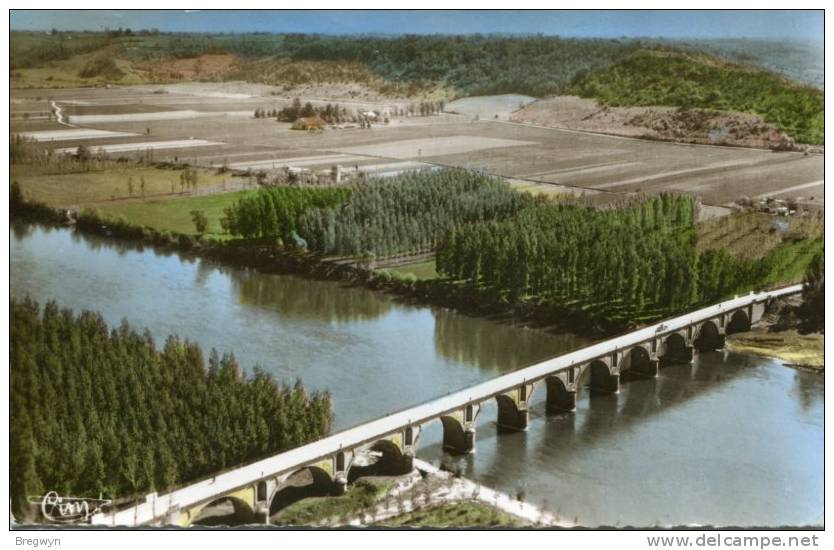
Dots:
{"x": 473, "y": 64}
{"x": 634, "y": 256}
{"x": 100, "y": 411}
{"x": 274, "y": 212}
{"x": 636, "y": 261}
{"x": 408, "y": 213}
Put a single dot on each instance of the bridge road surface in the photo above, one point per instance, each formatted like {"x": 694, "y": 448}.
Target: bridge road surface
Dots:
{"x": 311, "y": 453}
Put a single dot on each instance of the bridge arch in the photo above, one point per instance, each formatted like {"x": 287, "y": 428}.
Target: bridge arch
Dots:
{"x": 391, "y": 462}
{"x": 638, "y": 361}
{"x": 310, "y": 481}
{"x": 512, "y": 413}
{"x": 458, "y": 430}
{"x": 559, "y": 397}
{"x": 709, "y": 337}
{"x": 739, "y": 322}
{"x": 675, "y": 350}
{"x": 603, "y": 380}
{"x": 232, "y": 509}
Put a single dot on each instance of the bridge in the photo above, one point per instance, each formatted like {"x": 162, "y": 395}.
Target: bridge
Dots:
{"x": 394, "y": 438}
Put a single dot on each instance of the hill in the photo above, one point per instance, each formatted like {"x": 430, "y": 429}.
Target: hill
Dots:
{"x": 470, "y": 65}
{"x": 613, "y": 72}
{"x": 677, "y": 79}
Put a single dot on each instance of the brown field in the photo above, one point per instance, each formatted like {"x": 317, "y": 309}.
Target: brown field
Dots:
{"x": 663, "y": 123}
{"x": 607, "y": 167}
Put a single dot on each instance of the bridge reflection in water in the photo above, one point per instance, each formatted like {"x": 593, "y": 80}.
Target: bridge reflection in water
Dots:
{"x": 258, "y": 489}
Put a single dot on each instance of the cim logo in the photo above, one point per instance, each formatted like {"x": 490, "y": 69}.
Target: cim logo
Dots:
{"x": 58, "y": 509}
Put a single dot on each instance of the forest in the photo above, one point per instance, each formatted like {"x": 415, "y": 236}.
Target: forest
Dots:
{"x": 380, "y": 217}
{"x": 474, "y": 64}
{"x": 96, "y": 411}
{"x": 408, "y": 213}
{"x": 635, "y": 262}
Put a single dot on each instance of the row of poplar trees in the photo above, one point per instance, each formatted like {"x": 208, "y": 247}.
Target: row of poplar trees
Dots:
{"x": 408, "y": 213}
{"x": 96, "y": 411}
{"x": 635, "y": 260}
{"x": 636, "y": 255}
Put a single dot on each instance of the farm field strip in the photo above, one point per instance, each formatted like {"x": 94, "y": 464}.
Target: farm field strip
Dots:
{"x": 150, "y": 116}
{"x": 681, "y": 172}
{"x": 145, "y": 145}
{"x": 581, "y": 170}
{"x": 433, "y": 146}
{"x": 389, "y": 167}
{"x": 68, "y": 135}
{"x": 585, "y": 167}
{"x": 298, "y": 161}
{"x": 791, "y": 189}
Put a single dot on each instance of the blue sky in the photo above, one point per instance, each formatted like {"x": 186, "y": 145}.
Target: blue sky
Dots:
{"x": 598, "y": 23}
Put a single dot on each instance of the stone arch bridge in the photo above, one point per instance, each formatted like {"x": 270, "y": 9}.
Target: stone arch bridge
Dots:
{"x": 394, "y": 438}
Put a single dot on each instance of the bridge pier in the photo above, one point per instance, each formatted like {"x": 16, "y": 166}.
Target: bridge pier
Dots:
{"x": 339, "y": 486}
{"x": 679, "y": 349}
{"x": 602, "y": 379}
{"x": 559, "y": 397}
{"x": 513, "y": 413}
{"x": 608, "y": 384}
{"x": 462, "y": 445}
{"x": 459, "y": 430}
{"x": 648, "y": 369}
{"x": 261, "y": 516}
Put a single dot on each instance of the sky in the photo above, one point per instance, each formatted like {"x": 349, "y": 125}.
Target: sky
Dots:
{"x": 783, "y": 24}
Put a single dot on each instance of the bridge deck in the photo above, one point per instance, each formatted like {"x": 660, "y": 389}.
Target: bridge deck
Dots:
{"x": 377, "y": 429}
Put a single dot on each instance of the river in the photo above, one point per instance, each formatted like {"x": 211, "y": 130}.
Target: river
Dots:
{"x": 732, "y": 440}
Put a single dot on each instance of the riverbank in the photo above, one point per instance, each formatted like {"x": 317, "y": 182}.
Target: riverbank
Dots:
{"x": 271, "y": 258}
{"x": 802, "y": 351}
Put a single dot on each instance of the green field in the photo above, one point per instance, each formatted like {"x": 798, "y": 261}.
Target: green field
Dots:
{"x": 360, "y": 495}
{"x": 420, "y": 270}
{"x": 174, "y": 214}
{"x": 92, "y": 188}
{"x": 459, "y": 514}
{"x": 752, "y": 235}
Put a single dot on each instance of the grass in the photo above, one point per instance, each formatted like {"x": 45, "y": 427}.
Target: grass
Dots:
{"x": 789, "y": 346}
{"x": 421, "y": 270}
{"x": 92, "y": 188}
{"x": 550, "y": 191}
{"x": 752, "y": 235}
{"x": 360, "y": 495}
{"x": 66, "y": 73}
{"x": 458, "y": 514}
{"x": 174, "y": 215}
